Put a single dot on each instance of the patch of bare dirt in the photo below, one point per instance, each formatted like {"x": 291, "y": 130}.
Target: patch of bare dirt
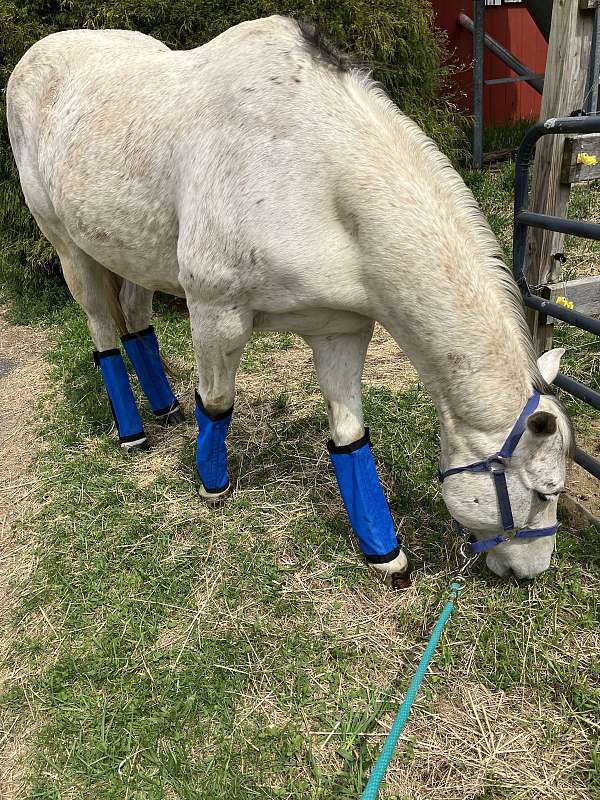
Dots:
{"x": 291, "y": 370}
{"x": 386, "y": 364}
{"x": 22, "y": 379}
{"x": 583, "y": 490}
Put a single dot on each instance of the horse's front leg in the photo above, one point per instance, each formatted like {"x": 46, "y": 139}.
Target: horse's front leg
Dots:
{"x": 219, "y": 335}
{"x": 339, "y": 361}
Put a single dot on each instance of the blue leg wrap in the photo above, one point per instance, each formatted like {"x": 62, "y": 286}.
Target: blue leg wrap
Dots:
{"x": 211, "y": 450}
{"x": 142, "y": 350}
{"x": 364, "y": 501}
{"x": 121, "y": 399}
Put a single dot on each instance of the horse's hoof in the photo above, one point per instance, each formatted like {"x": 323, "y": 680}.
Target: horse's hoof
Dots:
{"x": 172, "y": 418}
{"x": 215, "y": 499}
{"x": 401, "y": 580}
{"x": 138, "y": 446}
{"x": 394, "y": 573}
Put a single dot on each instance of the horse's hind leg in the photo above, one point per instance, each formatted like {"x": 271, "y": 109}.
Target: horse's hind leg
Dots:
{"x": 219, "y": 334}
{"x": 141, "y": 346}
{"x": 96, "y": 291}
{"x": 339, "y": 361}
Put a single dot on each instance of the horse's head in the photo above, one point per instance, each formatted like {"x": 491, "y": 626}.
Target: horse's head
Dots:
{"x": 516, "y": 496}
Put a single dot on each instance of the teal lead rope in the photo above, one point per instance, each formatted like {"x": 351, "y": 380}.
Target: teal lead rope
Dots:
{"x": 383, "y": 762}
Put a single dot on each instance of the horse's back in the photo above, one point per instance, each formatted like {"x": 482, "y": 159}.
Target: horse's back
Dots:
{"x": 42, "y": 72}
{"x": 92, "y": 67}
{"x": 121, "y": 139}
{"x": 251, "y": 148}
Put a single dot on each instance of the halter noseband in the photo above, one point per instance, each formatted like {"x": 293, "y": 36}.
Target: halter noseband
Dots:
{"x": 496, "y": 466}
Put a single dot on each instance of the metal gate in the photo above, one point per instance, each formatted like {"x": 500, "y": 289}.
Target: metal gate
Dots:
{"x": 524, "y": 219}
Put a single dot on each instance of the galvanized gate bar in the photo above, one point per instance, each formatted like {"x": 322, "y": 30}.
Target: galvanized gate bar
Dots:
{"x": 590, "y": 124}
{"x": 591, "y": 86}
{"x": 576, "y": 227}
{"x": 578, "y": 390}
{"x": 535, "y": 81}
{"x": 588, "y": 463}
{"x": 478, "y": 67}
{"x": 513, "y": 79}
{"x": 550, "y": 309}
{"x": 523, "y": 219}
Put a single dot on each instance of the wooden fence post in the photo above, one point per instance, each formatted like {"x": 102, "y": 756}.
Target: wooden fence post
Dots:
{"x": 564, "y": 87}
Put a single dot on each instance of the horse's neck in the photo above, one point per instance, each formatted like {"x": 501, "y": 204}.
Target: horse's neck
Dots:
{"x": 477, "y": 402}
{"x": 441, "y": 289}
{"x": 468, "y": 344}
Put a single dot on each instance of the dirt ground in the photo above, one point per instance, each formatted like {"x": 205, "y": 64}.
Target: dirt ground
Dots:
{"x": 23, "y": 377}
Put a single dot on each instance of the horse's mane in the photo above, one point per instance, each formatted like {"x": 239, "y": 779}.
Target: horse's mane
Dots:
{"x": 467, "y": 206}
{"x": 321, "y": 47}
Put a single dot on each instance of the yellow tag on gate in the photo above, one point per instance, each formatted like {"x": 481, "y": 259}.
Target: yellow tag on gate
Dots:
{"x": 564, "y": 301}
{"x": 587, "y": 159}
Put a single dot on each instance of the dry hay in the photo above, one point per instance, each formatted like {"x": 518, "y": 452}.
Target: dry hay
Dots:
{"x": 474, "y": 738}
{"x": 455, "y": 747}
{"x": 23, "y": 380}
{"x": 458, "y": 746}
{"x": 292, "y": 370}
{"x": 477, "y": 739}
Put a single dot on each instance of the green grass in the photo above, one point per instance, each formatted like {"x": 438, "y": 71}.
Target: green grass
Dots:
{"x": 503, "y": 137}
{"x": 164, "y": 651}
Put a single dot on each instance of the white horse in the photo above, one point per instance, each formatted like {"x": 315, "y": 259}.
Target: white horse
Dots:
{"x": 276, "y": 187}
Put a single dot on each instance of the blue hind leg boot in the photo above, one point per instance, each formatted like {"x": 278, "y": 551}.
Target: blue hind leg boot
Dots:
{"x": 211, "y": 451}
{"x": 365, "y": 503}
{"x": 121, "y": 399}
{"x": 143, "y": 352}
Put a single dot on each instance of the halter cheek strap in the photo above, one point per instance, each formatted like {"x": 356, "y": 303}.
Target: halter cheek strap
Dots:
{"x": 496, "y": 466}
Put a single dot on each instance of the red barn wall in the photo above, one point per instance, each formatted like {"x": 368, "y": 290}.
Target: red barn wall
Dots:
{"x": 513, "y": 27}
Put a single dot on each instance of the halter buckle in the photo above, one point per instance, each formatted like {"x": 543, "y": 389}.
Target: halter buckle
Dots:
{"x": 496, "y": 463}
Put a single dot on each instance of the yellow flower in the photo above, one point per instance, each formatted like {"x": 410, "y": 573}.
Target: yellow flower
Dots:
{"x": 564, "y": 301}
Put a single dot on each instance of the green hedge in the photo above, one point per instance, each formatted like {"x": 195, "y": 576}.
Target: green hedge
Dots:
{"x": 396, "y": 36}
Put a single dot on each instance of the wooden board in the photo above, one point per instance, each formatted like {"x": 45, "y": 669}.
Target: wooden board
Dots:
{"x": 584, "y": 292}
{"x": 573, "y": 172}
{"x": 564, "y": 88}
{"x": 499, "y": 155}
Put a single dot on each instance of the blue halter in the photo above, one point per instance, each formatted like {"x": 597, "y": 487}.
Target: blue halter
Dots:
{"x": 496, "y": 466}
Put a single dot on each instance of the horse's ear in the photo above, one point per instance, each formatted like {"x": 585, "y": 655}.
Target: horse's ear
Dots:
{"x": 549, "y": 363}
{"x": 542, "y": 423}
